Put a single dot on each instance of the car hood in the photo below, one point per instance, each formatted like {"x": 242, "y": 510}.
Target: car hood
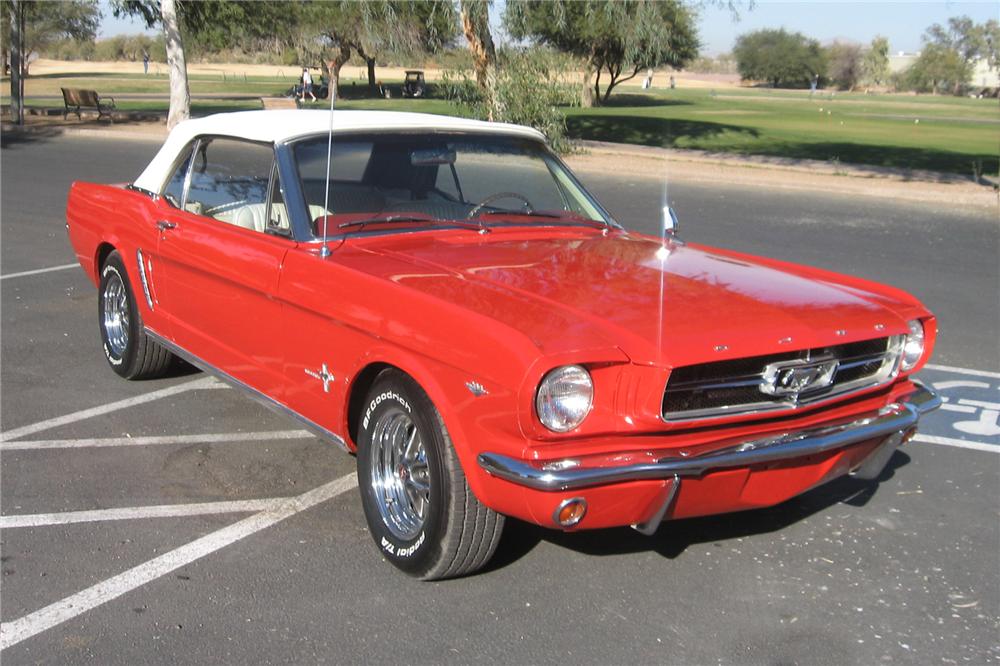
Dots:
{"x": 666, "y": 304}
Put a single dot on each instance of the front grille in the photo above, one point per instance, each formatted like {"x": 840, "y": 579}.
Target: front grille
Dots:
{"x": 739, "y": 386}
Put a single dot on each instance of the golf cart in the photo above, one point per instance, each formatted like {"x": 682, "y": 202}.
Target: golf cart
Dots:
{"x": 413, "y": 85}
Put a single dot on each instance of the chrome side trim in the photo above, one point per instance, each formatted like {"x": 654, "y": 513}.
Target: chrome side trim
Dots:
{"x": 142, "y": 278}
{"x": 251, "y": 392}
{"x": 652, "y": 524}
{"x": 893, "y": 418}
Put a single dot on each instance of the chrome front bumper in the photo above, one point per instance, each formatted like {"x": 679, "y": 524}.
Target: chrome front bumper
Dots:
{"x": 891, "y": 422}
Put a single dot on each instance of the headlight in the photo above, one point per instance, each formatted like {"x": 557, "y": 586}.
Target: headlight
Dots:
{"x": 564, "y": 398}
{"x": 913, "y": 347}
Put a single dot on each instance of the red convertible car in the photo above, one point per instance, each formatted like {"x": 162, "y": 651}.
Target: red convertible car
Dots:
{"x": 444, "y": 298}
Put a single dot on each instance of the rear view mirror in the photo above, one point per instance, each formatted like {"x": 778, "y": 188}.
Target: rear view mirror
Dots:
{"x": 432, "y": 157}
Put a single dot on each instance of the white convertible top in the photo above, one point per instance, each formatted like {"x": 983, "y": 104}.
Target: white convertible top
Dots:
{"x": 283, "y": 125}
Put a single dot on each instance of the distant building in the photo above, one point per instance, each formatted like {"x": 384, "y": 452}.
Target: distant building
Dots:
{"x": 984, "y": 76}
{"x": 901, "y": 60}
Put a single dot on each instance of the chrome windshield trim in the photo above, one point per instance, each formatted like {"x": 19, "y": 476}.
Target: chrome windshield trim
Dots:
{"x": 251, "y": 392}
{"x": 893, "y": 418}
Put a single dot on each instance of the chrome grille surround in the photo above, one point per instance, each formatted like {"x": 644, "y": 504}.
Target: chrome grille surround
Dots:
{"x": 747, "y": 385}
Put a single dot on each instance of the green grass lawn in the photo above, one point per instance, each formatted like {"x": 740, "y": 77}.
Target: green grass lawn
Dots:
{"x": 942, "y": 134}
{"x": 950, "y": 134}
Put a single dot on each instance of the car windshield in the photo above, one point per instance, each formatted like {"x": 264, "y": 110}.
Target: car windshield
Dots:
{"x": 388, "y": 181}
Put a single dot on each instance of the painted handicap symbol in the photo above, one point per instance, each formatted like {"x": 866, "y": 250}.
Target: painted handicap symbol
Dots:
{"x": 988, "y": 422}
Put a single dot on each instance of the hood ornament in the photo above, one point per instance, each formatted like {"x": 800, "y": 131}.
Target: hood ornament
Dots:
{"x": 669, "y": 222}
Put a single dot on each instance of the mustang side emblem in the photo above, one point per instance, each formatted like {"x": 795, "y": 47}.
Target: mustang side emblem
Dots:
{"x": 790, "y": 378}
{"x": 323, "y": 375}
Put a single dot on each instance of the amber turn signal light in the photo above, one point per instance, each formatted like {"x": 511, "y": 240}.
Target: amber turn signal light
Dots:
{"x": 570, "y": 512}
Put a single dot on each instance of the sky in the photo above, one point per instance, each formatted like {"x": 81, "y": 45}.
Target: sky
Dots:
{"x": 902, "y": 22}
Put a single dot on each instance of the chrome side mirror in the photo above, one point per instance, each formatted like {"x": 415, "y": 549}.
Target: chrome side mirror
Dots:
{"x": 670, "y": 222}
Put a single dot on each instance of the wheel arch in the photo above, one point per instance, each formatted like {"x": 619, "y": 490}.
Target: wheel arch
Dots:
{"x": 433, "y": 378}
{"x": 104, "y": 250}
{"x": 358, "y": 390}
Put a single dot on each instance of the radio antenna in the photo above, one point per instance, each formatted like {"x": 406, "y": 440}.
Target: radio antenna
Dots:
{"x": 331, "y": 88}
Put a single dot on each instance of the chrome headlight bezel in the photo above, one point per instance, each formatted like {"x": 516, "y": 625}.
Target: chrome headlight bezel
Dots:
{"x": 913, "y": 345}
{"x": 564, "y": 398}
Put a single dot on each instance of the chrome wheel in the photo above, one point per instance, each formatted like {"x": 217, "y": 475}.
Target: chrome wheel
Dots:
{"x": 400, "y": 476}
{"x": 115, "y": 319}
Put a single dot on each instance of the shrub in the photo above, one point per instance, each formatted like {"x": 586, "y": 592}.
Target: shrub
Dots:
{"x": 529, "y": 85}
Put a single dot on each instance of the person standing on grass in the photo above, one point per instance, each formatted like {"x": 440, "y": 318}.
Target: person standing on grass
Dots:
{"x": 145, "y": 62}
{"x": 307, "y": 84}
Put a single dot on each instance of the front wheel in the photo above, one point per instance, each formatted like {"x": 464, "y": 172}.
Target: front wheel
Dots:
{"x": 129, "y": 350}
{"x": 419, "y": 508}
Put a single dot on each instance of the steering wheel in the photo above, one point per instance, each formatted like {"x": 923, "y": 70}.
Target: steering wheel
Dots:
{"x": 499, "y": 195}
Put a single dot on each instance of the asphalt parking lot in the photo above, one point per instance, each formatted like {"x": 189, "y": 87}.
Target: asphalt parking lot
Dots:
{"x": 175, "y": 521}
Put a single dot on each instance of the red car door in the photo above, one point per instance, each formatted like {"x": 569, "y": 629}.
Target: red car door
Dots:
{"x": 220, "y": 254}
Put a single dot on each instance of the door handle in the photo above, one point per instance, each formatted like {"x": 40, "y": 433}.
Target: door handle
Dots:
{"x": 164, "y": 225}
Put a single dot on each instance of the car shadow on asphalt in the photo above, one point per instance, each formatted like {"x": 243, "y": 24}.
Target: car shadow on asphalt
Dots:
{"x": 674, "y": 537}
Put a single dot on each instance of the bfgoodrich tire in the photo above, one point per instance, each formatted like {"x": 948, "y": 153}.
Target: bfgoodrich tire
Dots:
{"x": 417, "y": 502}
{"x": 129, "y": 350}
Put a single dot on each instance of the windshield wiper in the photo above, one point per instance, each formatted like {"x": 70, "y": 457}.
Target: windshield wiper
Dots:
{"x": 395, "y": 219}
{"x": 566, "y": 217}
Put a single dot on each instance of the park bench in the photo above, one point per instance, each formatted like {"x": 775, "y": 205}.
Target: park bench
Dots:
{"x": 279, "y": 102}
{"x": 79, "y": 98}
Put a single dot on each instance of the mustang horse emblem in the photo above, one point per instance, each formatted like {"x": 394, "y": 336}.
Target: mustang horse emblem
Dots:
{"x": 790, "y": 378}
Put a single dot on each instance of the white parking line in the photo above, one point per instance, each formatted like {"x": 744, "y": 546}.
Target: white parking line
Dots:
{"x": 32, "y": 445}
{"x": 23, "y": 431}
{"x": 138, "y": 513}
{"x": 15, "y": 631}
{"x": 960, "y": 443}
{"x": 39, "y": 270}
{"x": 964, "y": 371}
{"x": 948, "y": 407}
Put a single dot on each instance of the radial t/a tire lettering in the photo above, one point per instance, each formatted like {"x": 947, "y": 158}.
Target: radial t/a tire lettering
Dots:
{"x": 129, "y": 351}
{"x": 420, "y": 510}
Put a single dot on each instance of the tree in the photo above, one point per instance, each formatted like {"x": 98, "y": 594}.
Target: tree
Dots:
{"x": 15, "y": 16}
{"x": 165, "y": 13}
{"x": 334, "y": 30}
{"x": 476, "y": 27}
{"x": 938, "y": 69}
{"x": 779, "y": 57}
{"x": 29, "y": 26}
{"x": 843, "y": 64}
{"x": 950, "y": 52}
{"x": 619, "y": 37}
{"x": 47, "y": 22}
{"x": 875, "y": 64}
{"x": 991, "y": 43}
{"x": 401, "y": 27}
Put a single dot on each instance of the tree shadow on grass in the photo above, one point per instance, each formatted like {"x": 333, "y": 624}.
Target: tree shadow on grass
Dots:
{"x": 674, "y": 537}
{"x": 645, "y": 131}
{"x": 634, "y": 100}
{"x": 896, "y": 157}
{"x": 738, "y": 140}
{"x": 89, "y": 75}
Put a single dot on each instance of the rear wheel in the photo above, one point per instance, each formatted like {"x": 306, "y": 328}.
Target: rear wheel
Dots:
{"x": 130, "y": 352}
{"x": 419, "y": 508}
